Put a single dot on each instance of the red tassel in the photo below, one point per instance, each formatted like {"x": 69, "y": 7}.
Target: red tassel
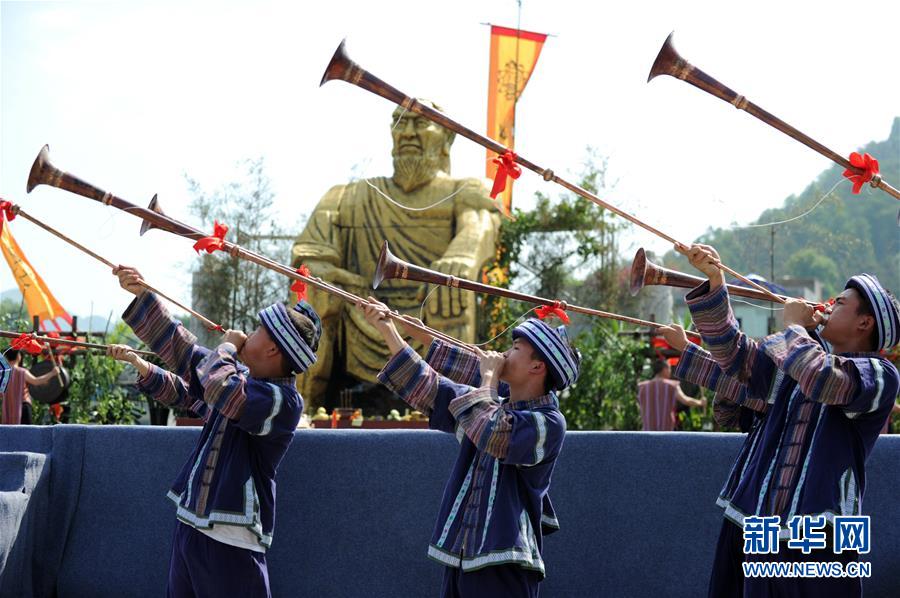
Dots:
{"x": 299, "y": 286}
{"x": 506, "y": 167}
{"x": 868, "y": 164}
{"x": 552, "y": 310}
{"x": 25, "y": 342}
{"x": 212, "y": 243}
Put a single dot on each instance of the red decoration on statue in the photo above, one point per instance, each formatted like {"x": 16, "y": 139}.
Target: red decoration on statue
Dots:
{"x": 865, "y": 162}
{"x": 299, "y": 286}
{"x": 552, "y": 310}
{"x": 25, "y": 342}
{"x": 212, "y": 243}
{"x": 506, "y": 167}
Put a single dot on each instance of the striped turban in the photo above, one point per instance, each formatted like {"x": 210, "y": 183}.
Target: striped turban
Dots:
{"x": 5, "y": 372}
{"x": 289, "y": 340}
{"x": 553, "y": 346}
{"x": 887, "y": 320}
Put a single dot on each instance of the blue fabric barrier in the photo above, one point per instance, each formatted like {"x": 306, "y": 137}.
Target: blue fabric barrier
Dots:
{"x": 355, "y": 510}
{"x": 24, "y": 503}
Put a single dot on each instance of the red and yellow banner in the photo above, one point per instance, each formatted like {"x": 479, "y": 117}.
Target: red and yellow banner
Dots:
{"x": 38, "y": 298}
{"x": 513, "y": 55}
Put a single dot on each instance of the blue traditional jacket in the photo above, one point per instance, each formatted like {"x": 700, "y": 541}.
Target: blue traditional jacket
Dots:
{"x": 229, "y": 478}
{"x": 823, "y": 413}
{"x": 496, "y": 506}
{"x": 698, "y": 367}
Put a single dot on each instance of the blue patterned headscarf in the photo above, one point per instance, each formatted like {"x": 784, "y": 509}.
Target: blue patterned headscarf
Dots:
{"x": 5, "y": 372}
{"x": 887, "y": 320}
{"x": 553, "y": 345}
{"x": 289, "y": 340}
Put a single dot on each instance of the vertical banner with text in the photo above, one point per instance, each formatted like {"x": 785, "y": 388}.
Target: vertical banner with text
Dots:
{"x": 513, "y": 55}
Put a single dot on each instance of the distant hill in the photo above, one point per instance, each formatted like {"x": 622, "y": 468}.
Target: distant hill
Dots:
{"x": 845, "y": 235}
{"x": 14, "y": 295}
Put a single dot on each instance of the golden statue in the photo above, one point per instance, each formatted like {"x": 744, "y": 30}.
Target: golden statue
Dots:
{"x": 343, "y": 237}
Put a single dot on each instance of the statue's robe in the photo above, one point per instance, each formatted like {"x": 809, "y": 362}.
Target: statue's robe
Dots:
{"x": 347, "y": 229}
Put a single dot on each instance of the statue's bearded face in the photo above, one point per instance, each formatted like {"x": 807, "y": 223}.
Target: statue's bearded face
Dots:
{"x": 421, "y": 150}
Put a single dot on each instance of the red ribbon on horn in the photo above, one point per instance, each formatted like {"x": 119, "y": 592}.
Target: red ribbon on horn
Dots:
{"x": 506, "y": 167}
{"x": 7, "y": 207}
{"x": 299, "y": 286}
{"x": 215, "y": 242}
{"x": 867, "y": 164}
{"x": 552, "y": 310}
{"x": 823, "y": 306}
{"x": 26, "y": 342}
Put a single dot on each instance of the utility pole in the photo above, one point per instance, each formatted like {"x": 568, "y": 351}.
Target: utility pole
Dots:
{"x": 772, "y": 255}
{"x": 771, "y": 322}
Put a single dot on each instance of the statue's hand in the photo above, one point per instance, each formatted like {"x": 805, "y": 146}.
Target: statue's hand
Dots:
{"x": 448, "y": 302}
{"x": 347, "y": 279}
{"x": 343, "y": 278}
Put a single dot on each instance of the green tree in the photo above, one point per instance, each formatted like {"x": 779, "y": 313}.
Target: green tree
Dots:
{"x": 95, "y": 397}
{"x": 13, "y": 317}
{"x": 567, "y": 248}
{"x": 227, "y": 289}
{"x": 550, "y": 250}
{"x": 808, "y": 263}
{"x": 605, "y": 395}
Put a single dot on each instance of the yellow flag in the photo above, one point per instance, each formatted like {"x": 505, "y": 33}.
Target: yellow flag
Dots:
{"x": 38, "y": 298}
{"x": 513, "y": 55}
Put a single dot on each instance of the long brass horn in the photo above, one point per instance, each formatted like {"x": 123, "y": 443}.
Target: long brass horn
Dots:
{"x": 646, "y": 273}
{"x": 391, "y": 267}
{"x": 43, "y": 172}
{"x": 669, "y": 62}
{"x": 341, "y": 67}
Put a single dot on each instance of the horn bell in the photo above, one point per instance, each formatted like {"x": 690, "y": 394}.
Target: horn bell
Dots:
{"x": 39, "y": 169}
{"x": 339, "y": 65}
{"x": 645, "y": 273}
{"x": 666, "y": 60}
{"x": 153, "y": 207}
{"x": 386, "y": 260}
{"x": 638, "y": 269}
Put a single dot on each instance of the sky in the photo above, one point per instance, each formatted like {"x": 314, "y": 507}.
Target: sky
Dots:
{"x": 133, "y": 96}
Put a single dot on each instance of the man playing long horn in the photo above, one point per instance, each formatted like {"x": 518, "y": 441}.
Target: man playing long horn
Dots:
{"x": 244, "y": 390}
{"x": 804, "y": 476}
{"x": 343, "y": 236}
{"x": 496, "y": 506}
